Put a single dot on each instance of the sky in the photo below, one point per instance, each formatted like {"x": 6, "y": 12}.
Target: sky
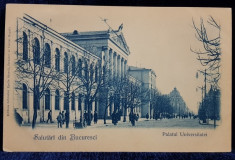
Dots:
{"x": 158, "y": 38}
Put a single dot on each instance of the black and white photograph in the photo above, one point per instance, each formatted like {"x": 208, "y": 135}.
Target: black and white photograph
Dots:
{"x": 89, "y": 78}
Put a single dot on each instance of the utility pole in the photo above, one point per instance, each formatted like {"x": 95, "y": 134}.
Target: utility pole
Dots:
{"x": 205, "y": 81}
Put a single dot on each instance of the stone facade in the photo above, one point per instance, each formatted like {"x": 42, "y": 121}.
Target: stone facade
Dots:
{"x": 108, "y": 45}
{"x": 59, "y": 48}
{"x": 148, "y": 79}
{"x": 178, "y": 103}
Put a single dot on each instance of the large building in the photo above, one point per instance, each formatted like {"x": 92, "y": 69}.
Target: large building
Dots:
{"x": 148, "y": 79}
{"x": 49, "y": 65}
{"x": 109, "y": 43}
{"x": 40, "y": 49}
{"x": 111, "y": 47}
{"x": 178, "y": 104}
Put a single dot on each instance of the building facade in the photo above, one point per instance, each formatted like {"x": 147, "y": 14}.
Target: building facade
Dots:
{"x": 148, "y": 79}
{"x": 49, "y": 65}
{"x": 111, "y": 47}
{"x": 41, "y": 53}
{"x": 178, "y": 104}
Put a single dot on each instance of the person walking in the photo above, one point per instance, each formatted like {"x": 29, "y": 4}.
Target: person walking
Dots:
{"x": 62, "y": 117}
{"x": 147, "y": 116}
{"x": 95, "y": 117}
{"x": 59, "y": 120}
{"x": 49, "y": 117}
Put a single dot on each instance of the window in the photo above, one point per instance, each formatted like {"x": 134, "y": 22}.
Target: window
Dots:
{"x": 91, "y": 72}
{"x": 57, "y": 59}
{"x": 66, "y": 62}
{"x": 86, "y": 103}
{"x": 79, "y": 102}
{"x": 86, "y": 70}
{"x": 36, "y": 99}
{"x": 36, "y": 51}
{"x": 25, "y": 97}
{"x": 73, "y": 101}
{"x": 47, "y": 55}
{"x": 80, "y": 68}
{"x": 96, "y": 73}
{"x": 65, "y": 100}
{"x": 47, "y": 99}
{"x": 73, "y": 66}
{"x": 57, "y": 100}
{"x": 25, "y": 46}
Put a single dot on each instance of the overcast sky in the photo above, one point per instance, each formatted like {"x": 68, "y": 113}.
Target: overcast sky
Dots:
{"x": 158, "y": 38}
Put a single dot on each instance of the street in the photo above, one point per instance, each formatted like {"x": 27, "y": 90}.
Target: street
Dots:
{"x": 141, "y": 123}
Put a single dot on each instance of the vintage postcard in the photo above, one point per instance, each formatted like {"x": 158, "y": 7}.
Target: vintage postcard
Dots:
{"x": 132, "y": 79}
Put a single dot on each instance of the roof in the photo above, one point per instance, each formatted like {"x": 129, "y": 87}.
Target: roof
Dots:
{"x": 116, "y": 36}
{"x": 27, "y": 18}
{"x": 133, "y": 68}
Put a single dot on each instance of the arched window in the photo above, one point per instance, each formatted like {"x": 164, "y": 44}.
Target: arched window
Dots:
{"x": 66, "y": 98}
{"x": 47, "y": 55}
{"x": 79, "y": 102}
{"x": 80, "y": 68}
{"x": 57, "y": 59}
{"x": 35, "y": 96}
{"x": 25, "y": 97}
{"x": 96, "y": 73}
{"x": 66, "y": 59}
{"x": 86, "y": 70}
{"x": 73, "y": 65}
{"x": 36, "y": 51}
{"x": 57, "y": 100}
{"x": 47, "y": 99}
{"x": 25, "y": 46}
{"x": 73, "y": 101}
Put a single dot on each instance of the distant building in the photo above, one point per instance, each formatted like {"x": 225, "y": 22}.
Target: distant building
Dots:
{"x": 178, "y": 103}
{"x": 148, "y": 79}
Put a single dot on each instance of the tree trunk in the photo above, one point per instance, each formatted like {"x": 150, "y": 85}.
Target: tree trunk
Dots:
{"x": 89, "y": 113}
{"x": 35, "y": 108}
{"x": 124, "y": 118}
{"x": 105, "y": 113}
{"x": 67, "y": 116}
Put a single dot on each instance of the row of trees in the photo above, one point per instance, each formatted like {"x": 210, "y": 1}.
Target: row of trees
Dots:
{"x": 161, "y": 105}
{"x": 209, "y": 56}
{"x": 91, "y": 79}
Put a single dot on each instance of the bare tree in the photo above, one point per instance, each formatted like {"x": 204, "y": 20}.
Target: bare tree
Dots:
{"x": 91, "y": 82}
{"x": 210, "y": 53}
{"x": 34, "y": 63}
{"x": 209, "y": 56}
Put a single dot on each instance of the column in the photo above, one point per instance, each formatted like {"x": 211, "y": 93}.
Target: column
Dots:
{"x": 82, "y": 109}
{"x": 111, "y": 62}
{"x": 115, "y": 64}
{"x": 122, "y": 67}
{"x": 53, "y": 115}
{"x": 119, "y": 66}
{"x": 106, "y": 53}
{"x": 125, "y": 66}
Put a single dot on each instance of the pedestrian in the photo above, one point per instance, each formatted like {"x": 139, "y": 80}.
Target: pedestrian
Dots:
{"x": 18, "y": 118}
{"x": 91, "y": 117}
{"x": 147, "y": 116}
{"x": 130, "y": 117}
{"x": 95, "y": 117}
{"x": 59, "y": 120}
{"x": 62, "y": 117}
{"x": 49, "y": 117}
{"x": 67, "y": 119}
